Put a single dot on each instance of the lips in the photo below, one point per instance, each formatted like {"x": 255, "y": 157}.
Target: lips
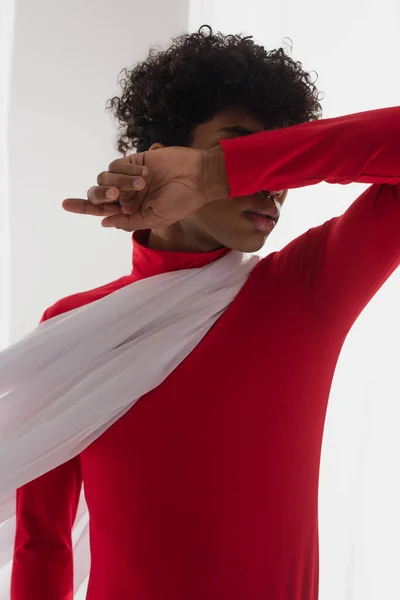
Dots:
{"x": 273, "y": 210}
{"x": 271, "y": 214}
{"x": 261, "y": 222}
{"x": 264, "y": 213}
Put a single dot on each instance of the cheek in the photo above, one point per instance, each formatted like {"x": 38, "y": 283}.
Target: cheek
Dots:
{"x": 226, "y": 208}
{"x": 224, "y": 216}
{"x": 217, "y": 213}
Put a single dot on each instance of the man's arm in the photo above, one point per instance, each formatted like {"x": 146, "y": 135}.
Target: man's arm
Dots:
{"x": 43, "y": 558}
{"x": 339, "y": 266}
{"x": 362, "y": 147}
{"x": 344, "y": 262}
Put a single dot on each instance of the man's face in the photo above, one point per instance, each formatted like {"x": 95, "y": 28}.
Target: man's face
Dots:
{"x": 226, "y": 222}
{"x": 229, "y": 222}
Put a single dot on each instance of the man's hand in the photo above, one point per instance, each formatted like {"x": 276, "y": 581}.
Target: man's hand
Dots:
{"x": 155, "y": 189}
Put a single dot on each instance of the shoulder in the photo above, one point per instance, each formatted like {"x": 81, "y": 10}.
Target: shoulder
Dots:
{"x": 302, "y": 259}
{"x": 82, "y": 298}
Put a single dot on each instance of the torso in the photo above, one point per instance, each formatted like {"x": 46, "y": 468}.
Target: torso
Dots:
{"x": 208, "y": 486}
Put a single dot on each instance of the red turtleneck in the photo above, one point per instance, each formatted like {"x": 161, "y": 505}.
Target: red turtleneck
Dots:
{"x": 207, "y": 489}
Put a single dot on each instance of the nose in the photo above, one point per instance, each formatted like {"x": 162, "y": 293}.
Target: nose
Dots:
{"x": 275, "y": 195}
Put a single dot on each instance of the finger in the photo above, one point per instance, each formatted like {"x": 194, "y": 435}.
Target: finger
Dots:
{"x": 130, "y": 165}
{"x": 126, "y": 222}
{"x": 85, "y": 207}
{"x": 102, "y": 194}
{"x": 130, "y": 205}
{"x": 122, "y": 182}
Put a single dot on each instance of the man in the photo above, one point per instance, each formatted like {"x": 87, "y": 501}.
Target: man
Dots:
{"x": 208, "y": 487}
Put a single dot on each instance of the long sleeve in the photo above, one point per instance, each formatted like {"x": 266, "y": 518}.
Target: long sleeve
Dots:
{"x": 362, "y": 147}
{"x": 43, "y": 559}
{"x": 340, "y": 265}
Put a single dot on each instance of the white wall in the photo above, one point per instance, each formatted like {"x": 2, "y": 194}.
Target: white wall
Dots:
{"x": 354, "y": 48}
{"x": 67, "y": 56}
{"x": 7, "y": 16}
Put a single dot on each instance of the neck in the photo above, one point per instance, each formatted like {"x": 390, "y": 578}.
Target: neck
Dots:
{"x": 179, "y": 238}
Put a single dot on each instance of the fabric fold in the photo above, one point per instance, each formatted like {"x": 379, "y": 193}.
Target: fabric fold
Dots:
{"x": 69, "y": 380}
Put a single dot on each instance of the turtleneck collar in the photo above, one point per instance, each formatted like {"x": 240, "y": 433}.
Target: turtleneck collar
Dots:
{"x": 147, "y": 262}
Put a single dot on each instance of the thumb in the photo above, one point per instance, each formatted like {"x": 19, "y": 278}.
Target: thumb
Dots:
{"x": 125, "y": 222}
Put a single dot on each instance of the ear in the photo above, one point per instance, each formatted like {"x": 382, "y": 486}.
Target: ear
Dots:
{"x": 156, "y": 146}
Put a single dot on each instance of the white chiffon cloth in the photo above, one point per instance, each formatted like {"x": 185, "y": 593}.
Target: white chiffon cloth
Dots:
{"x": 69, "y": 380}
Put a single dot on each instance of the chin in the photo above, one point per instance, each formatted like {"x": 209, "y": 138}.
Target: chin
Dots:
{"x": 252, "y": 244}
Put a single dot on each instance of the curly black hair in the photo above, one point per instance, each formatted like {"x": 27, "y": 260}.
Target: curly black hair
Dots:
{"x": 171, "y": 92}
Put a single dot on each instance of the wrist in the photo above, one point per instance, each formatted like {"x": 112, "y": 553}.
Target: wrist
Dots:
{"x": 214, "y": 179}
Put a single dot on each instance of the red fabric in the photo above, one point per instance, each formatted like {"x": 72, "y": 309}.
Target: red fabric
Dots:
{"x": 208, "y": 487}
{"x": 361, "y": 147}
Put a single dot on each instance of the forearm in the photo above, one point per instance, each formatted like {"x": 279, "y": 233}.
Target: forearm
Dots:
{"x": 43, "y": 556}
{"x": 362, "y": 147}
{"x": 48, "y": 575}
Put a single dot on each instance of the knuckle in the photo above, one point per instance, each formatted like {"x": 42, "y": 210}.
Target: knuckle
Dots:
{"x": 126, "y": 208}
{"x": 102, "y": 178}
{"x": 113, "y": 166}
{"x": 95, "y": 195}
{"x": 136, "y": 161}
